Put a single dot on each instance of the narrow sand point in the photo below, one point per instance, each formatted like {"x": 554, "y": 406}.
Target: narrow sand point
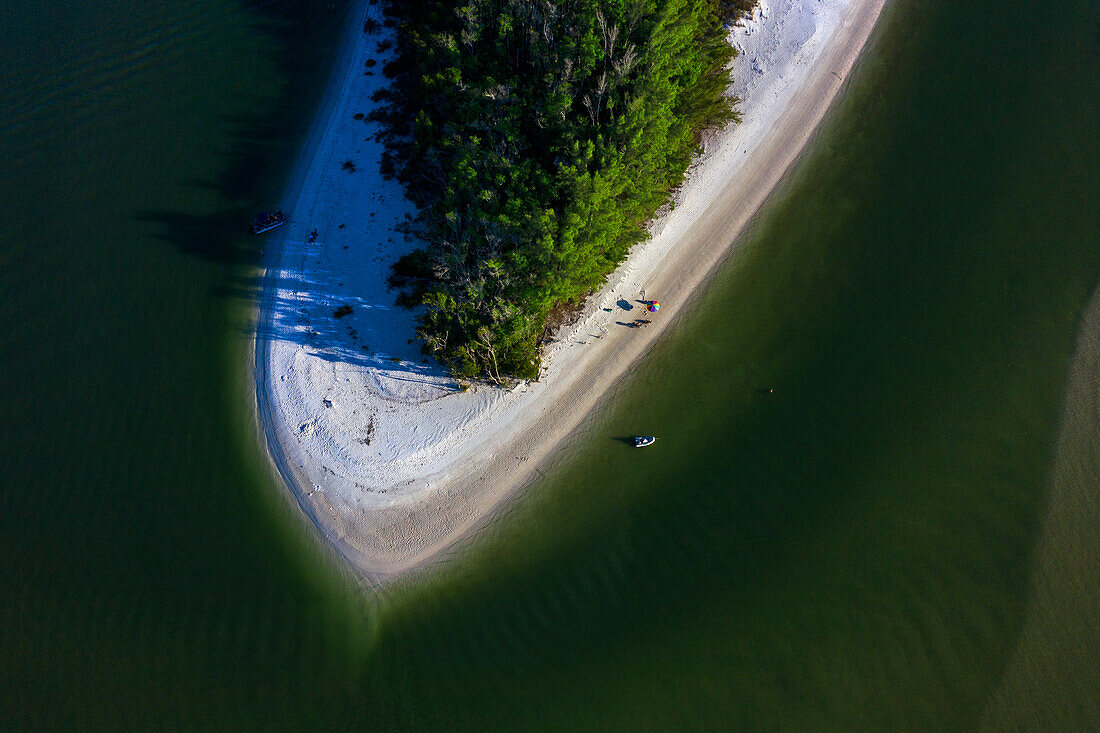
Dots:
{"x": 391, "y": 459}
{"x": 1055, "y": 655}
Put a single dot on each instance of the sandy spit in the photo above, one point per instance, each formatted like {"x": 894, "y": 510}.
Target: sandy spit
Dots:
{"x": 390, "y": 459}
{"x": 1055, "y": 656}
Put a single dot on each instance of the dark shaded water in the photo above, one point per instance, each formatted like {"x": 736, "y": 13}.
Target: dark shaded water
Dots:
{"x": 145, "y": 573}
{"x": 851, "y": 551}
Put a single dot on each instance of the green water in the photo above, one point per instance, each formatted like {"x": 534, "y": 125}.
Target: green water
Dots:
{"x": 143, "y": 571}
{"x": 850, "y": 552}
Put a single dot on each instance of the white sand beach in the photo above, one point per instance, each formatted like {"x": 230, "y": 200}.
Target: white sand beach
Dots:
{"x": 385, "y": 453}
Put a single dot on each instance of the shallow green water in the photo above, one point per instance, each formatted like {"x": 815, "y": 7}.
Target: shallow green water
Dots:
{"x": 849, "y": 552}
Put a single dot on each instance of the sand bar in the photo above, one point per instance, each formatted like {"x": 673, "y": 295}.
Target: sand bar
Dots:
{"x": 391, "y": 459}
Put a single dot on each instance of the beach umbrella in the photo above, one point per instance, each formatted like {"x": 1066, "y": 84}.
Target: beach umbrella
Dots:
{"x": 654, "y": 307}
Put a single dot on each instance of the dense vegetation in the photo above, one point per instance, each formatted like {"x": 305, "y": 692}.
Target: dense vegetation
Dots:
{"x": 538, "y": 137}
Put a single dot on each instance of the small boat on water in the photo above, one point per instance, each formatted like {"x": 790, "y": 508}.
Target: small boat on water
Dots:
{"x": 266, "y": 221}
{"x": 641, "y": 441}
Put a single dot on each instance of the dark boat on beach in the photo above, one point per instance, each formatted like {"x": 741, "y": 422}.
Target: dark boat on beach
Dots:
{"x": 267, "y": 221}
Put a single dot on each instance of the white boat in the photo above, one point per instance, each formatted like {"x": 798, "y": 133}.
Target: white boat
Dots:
{"x": 641, "y": 441}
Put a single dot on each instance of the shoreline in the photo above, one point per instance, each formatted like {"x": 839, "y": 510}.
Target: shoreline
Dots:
{"x": 392, "y": 462}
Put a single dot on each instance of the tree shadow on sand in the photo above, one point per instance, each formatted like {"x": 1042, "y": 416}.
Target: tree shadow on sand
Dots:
{"x": 343, "y": 328}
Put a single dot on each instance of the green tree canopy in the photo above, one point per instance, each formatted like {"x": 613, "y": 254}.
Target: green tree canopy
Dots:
{"x": 537, "y": 137}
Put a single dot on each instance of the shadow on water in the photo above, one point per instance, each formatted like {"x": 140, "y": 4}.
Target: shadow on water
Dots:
{"x": 301, "y": 309}
{"x": 306, "y": 36}
{"x": 263, "y": 146}
{"x": 218, "y": 236}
